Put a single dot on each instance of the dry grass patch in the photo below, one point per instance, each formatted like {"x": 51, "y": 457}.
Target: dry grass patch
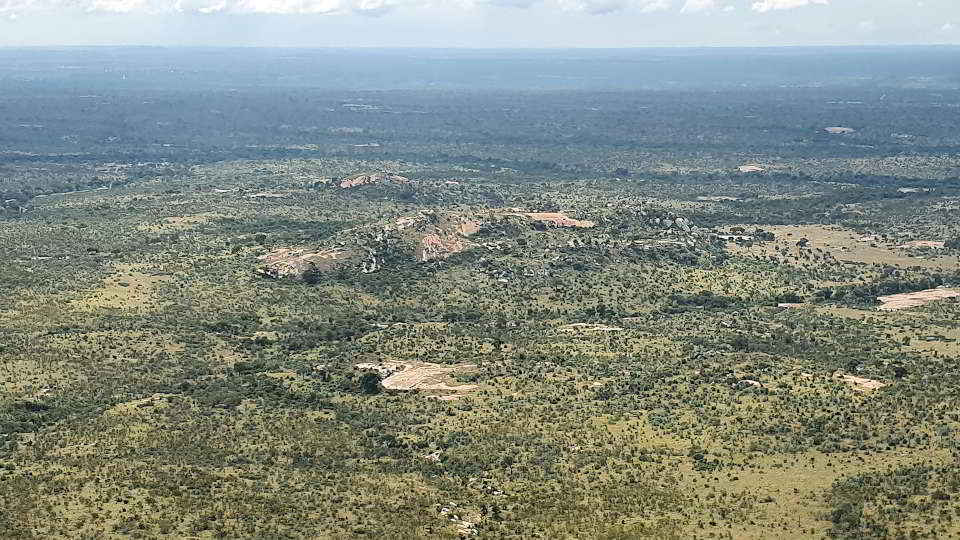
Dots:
{"x": 841, "y": 243}
{"x": 37, "y": 377}
{"x": 790, "y": 489}
{"x": 132, "y": 287}
{"x": 180, "y": 223}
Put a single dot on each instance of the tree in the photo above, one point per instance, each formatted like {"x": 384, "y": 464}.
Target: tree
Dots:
{"x": 369, "y": 383}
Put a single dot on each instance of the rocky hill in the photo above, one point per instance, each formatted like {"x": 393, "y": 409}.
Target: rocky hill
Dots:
{"x": 427, "y": 236}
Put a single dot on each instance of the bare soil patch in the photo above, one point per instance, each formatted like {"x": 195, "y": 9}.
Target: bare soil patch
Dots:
{"x": 895, "y": 302}
{"x": 860, "y": 383}
{"x": 407, "y": 376}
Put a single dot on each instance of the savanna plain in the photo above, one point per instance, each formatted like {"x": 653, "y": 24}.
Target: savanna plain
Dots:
{"x": 296, "y": 294}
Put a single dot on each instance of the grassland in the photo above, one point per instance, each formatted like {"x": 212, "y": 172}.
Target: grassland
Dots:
{"x": 614, "y": 333}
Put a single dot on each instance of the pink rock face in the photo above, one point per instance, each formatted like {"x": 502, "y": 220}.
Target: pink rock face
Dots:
{"x": 434, "y": 246}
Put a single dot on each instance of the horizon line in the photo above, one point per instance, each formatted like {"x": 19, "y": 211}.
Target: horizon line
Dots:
{"x": 470, "y": 48}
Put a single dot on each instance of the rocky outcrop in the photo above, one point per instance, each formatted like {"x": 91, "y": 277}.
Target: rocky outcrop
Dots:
{"x": 367, "y": 178}
{"x": 293, "y": 263}
{"x": 440, "y": 246}
{"x": 555, "y": 219}
{"x": 425, "y": 237}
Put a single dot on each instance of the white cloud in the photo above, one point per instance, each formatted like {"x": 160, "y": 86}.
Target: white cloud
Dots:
{"x": 603, "y": 7}
{"x": 655, "y": 5}
{"x": 948, "y": 27}
{"x": 118, "y": 6}
{"x": 12, "y": 8}
{"x": 522, "y": 4}
{"x": 866, "y": 26}
{"x": 282, "y": 7}
{"x": 764, "y": 6}
{"x": 696, "y": 6}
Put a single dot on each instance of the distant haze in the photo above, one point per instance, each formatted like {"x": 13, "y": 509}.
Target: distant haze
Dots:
{"x": 179, "y": 69}
{"x": 479, "y": 23}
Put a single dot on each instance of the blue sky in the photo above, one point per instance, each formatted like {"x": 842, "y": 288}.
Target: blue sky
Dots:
{"x": 479, "y": 23}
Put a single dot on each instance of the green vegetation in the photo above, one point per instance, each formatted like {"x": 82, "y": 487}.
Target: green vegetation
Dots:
{"x": 687, "y": 352}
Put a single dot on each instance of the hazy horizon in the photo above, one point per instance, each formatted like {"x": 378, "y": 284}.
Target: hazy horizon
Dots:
{"x": 479, "y": 23}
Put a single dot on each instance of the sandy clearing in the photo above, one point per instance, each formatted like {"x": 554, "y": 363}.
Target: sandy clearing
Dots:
{"x": 859, "y": 383}
{"x": 894, "y": 302}
{"x": 406, "y": 376}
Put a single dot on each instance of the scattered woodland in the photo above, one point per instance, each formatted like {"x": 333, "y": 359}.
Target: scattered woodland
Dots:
{"x": 243, "y": 313}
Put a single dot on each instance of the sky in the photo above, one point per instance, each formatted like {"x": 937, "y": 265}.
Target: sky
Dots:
{"x": 478, "y": 23}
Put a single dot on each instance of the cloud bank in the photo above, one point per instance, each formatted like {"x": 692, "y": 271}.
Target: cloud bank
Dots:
{"x": 764, "y": 6}
{"x": 12, "y": 8}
